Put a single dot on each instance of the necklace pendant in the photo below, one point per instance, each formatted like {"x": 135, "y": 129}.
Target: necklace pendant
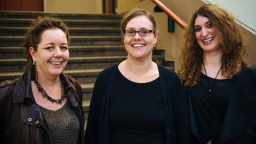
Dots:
{"x": 209, "y": 142}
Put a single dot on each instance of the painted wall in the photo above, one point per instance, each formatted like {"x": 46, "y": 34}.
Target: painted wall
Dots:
{"x": 73, "y": 6}
{"x": 252, "y": 48}
{"x": 126, "y": 5}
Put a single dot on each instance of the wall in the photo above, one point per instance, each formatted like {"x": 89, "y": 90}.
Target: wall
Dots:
{"x": 252, "y": 48}
{"x": 73, "y": 6}
{"x": 126, "y": 5}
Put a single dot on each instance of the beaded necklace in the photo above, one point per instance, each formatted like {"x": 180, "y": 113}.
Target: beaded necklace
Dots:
{"x": 210, "y": 96}
{"x": 45, "y": 95}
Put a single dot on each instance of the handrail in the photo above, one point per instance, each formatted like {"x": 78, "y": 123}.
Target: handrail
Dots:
{"x": 171, "y": 14}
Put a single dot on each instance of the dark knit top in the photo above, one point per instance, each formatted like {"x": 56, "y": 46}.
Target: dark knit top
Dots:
{"x": 136, "y": 112}
{"x": 176, "y": 122}
{"x": 63, "y": 124}
{"x": 210, "y": 107}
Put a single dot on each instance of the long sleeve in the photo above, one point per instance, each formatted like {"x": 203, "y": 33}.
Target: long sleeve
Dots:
{"x": 181, "y": 116}
{"x": 92, "y": 128}
{"x": 176, "y": 108}
{"x": 3, "y": 110}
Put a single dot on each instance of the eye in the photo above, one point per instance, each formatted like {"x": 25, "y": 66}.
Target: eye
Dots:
{"x": 130, "y": 31}
{"x": 210, "y": 25}
{"x": 63, "y": 47}
{"x": 144, "y": 31}
{"x": 197, "y": 29}
{"x": 49, "y": 48}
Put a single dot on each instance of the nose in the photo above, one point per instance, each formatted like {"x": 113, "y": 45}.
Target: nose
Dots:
{"x": 58, "y": 52}
{"x": 137, "y": 35}
{"x": 204, "y": 32}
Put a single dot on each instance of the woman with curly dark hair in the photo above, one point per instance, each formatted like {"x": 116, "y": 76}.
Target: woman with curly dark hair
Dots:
{"x": 219, "y": 84}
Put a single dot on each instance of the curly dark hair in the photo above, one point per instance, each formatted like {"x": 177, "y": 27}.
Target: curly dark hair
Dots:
{"x": 232, "y": 44}
{"x": 33, "y": 36}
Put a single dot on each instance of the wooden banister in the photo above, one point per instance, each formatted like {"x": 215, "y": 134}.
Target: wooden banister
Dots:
{"x": 171, "y": 14}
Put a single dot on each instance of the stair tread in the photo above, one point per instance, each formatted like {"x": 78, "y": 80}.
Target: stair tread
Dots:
{"x": 2, "y": 74}
{"x": 65, "y": 71}
{"x": 98, "y": 57}
{"x": 64, "y": 20}
{"x": 86, "y": 102}
{"x": 89, "y": 85}
{"x": 95, "y": 37}
{"x": 92, "y": 37}
{"x": 72, "y": 47}
{"x": 82, "y": 70}
{"x": 71, "y": 28}
{"x": 86, "y": 46}
{"x": 72, "y": 58}
{"x": 56, "y": 14}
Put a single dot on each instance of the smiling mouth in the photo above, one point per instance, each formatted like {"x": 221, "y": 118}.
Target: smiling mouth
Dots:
{"x": 56, "y": 63}
{"x": 138, "y": 45}
{"x": 208, "y": 40}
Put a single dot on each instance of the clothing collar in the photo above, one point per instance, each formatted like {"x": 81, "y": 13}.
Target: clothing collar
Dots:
{"x": 23, "y": 90}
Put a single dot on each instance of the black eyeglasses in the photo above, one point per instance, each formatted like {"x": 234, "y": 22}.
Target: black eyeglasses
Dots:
{"x": 132, "y": 33}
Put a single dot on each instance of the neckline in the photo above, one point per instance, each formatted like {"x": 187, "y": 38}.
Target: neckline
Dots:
{"x": 149, "y": 82}
{"x": 216, "y": 74}
{"x": 65, "y": 104}
{"x": 217, "y": 80}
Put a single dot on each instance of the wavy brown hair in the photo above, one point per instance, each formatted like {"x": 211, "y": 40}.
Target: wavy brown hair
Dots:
{"x": 232, "y": 44}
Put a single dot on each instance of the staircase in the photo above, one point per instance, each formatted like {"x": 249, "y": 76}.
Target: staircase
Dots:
{"x": 95, "y": 44}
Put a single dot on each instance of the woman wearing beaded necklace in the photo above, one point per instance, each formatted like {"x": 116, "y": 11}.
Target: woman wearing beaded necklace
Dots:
{"x": 43, "y": 106}
{"x": 219, "y": 84}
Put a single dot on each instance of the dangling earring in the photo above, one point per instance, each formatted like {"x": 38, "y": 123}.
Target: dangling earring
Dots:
{"x": 34, "y": 62}
{"x": 154, "y": 47}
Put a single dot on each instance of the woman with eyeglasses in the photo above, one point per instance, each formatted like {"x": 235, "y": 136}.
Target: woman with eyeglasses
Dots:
{"x": 138, "y": 101}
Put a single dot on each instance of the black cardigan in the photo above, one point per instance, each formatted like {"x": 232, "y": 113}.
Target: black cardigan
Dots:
{"x": 175, "y": 107}
{"x": 241, "y": 112}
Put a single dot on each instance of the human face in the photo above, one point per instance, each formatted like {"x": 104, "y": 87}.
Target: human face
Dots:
{"x": 206, "y": 35}
{"x": 137, "y": 46}
{"x": 52, "y": 53}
